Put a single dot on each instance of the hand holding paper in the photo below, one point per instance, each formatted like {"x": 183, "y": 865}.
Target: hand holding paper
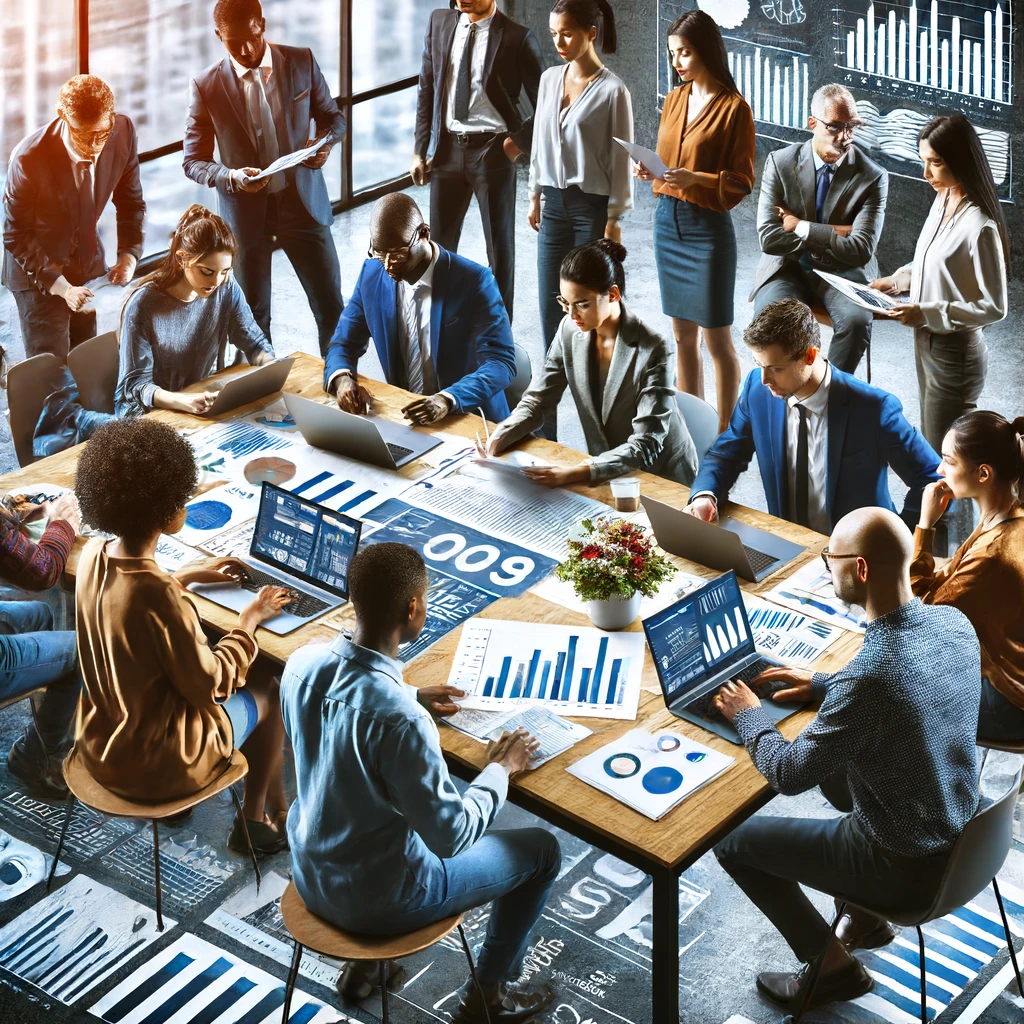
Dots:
{"x": 647, "y": 157}
{"x": 286, "y": 162}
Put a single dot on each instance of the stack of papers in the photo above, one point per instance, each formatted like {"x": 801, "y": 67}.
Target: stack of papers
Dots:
{"x": 556, "y": 735}
{"x": 651, "y": 773}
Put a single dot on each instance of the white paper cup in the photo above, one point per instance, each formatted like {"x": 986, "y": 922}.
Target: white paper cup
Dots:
{"x": 626, "y": 494}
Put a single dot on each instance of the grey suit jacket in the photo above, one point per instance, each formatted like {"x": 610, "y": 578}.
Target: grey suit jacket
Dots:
{"x": 857, "y": 196}
{"x": 638, "y": 425}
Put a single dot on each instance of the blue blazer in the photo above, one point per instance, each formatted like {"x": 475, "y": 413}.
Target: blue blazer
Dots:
{"x": 470, "y": 336}
{"x": 867, "y": 433}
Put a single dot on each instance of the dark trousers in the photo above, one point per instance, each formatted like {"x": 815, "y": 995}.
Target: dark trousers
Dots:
{"x": 47, "y": 325}
{"x": 460, "y": 172}
{"x": 999, "y": 719}
{"x": 769, "y": 858}
{"x": 851, "y": 324}
{"x": 310, "y": 250}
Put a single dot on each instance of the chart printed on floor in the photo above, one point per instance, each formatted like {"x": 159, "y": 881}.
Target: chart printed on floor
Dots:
{"x": 23, "y": 866}
{"x": 219, "y": 509}
{"x": 570, "y": 670}
{"x": 194, "y": 980}
{"x": 809, "y": 590}
{"x": 787, "y": 635}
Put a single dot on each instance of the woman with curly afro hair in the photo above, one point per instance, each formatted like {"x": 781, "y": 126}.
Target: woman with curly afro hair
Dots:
{"x": 163, "y": 707}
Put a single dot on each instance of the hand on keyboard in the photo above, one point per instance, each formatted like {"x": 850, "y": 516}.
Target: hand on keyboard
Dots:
{"x": 269, "y": 602}
{"x": 784, "y": 684}
{"x": 735, "y": 696}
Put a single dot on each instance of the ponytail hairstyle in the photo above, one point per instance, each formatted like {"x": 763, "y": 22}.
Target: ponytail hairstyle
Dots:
{"x": 986, "y": 438}
{"x": 590, "y": 14}
{"x": 596, "y": 266}
{"x": 199, "y": 232}
{"x": 701, "y": 33}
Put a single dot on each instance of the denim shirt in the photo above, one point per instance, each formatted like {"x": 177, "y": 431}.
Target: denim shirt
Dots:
{"x": 375, "y": 810}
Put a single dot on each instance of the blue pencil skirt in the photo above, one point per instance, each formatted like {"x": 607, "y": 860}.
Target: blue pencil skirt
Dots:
{"x": 695, "y": 250}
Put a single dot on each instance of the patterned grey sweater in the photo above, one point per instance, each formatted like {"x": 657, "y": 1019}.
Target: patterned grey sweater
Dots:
{"x": 900, "y": 719}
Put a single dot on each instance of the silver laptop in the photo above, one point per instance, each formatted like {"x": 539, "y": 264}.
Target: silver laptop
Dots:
{"x": 372, "y": 440}
{"x": 703, "y": 641}
{"x": 753, "y": 553}
{"x": 296, "y": 544}
{"x": 251, "y": 386}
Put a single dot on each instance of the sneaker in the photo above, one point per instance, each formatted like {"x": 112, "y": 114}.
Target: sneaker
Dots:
{"x": 512, "y": 1003}
{"x": 265, "y": 840}
{"x": 42, "y": 776}
{"x": 359, "y": 978}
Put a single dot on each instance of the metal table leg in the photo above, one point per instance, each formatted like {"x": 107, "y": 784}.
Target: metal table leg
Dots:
{"x": 665, "y": 973}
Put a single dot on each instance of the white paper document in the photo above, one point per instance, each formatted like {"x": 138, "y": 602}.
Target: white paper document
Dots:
{"x": 868, "y": 298}
{"x": 577, "y": 671}
{"x": 809, "y": 590}
{"x": 217, "y": 510}
{"x": 647, "y": 157}
{"x": 289, "y": 160}
{"x": 788, "y": 635}
{"x": 556, "y": 735}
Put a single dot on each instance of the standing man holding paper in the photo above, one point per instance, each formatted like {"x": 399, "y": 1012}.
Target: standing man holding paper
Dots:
{"x": 256, "y": 105}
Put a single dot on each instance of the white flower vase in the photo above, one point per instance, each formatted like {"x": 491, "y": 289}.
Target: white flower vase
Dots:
{"x": 615, "y": 612}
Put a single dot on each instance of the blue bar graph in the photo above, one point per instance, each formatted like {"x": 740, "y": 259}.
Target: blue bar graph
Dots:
{"x": 556, "y": 683}
{"x": 616, "y": 665}
{"x": 506, "y": 664}
{"x": 517, "y": 685}
{"x": 602, "y": 652}
{"x": 584, "y": 680}
{"x": 356, "y": 500}
{"x": 534, "y": 662}
{"x": 331, "y": 491}
{"x": 624, "y": 673}
{"x": 318, "y": 479}
{"x": 489, "y": 687}
{"x": 544, "y": 679}
{"x": 570, "y": 658}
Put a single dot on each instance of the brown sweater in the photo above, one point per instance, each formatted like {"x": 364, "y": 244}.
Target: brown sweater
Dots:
{"x": 985, "y": 580}
{"x": 719, "y": 141}
{"x": 149, "y": 724}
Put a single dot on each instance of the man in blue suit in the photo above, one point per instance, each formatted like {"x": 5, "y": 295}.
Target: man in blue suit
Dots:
{"x": 437, "y": 321}
{"x": 824, "y": 439}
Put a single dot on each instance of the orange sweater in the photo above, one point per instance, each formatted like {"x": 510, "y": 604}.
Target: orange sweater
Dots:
{"x": 985, "y": 580}
{"x": 720, "y": 141}
{"x": 149, "y": 723}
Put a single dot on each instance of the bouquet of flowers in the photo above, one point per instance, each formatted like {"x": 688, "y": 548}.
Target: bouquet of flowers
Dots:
{"x": 613, "y": 558}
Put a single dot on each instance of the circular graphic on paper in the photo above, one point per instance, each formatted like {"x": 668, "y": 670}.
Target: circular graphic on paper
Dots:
{"x": 668, "y": 743}
{"x": 695, "y": 755}
{"x": 269, "y": 470}
{"x": 662, "y": 780}
{"x": 208, "y": 515}
{"x": 622, "y": 766}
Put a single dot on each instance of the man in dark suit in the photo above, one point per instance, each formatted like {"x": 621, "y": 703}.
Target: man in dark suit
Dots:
{"x": 478, "y": 65}
{"x": 822, "y": 206}
{"x": 256, "y": 104}
{"x": 824, "y": 439}
{"x": 436, "y": 319}
{"x": 59, "y": 180}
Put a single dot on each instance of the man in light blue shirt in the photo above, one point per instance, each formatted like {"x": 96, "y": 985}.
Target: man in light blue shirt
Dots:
{"x": 382, "y": 842}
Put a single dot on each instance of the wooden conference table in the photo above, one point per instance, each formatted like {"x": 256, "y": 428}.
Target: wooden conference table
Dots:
{"x": 663, "y": 849}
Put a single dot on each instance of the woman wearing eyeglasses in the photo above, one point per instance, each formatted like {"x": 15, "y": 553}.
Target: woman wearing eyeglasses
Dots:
{"x": 706, "y": 138}
{"x": 619, "y": 374}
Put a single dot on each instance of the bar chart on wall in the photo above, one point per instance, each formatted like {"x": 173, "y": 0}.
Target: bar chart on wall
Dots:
{"x": 773, "y": 80}
{"x": 579, "y": 672}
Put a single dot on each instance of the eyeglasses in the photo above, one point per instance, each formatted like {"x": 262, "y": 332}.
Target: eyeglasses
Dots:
{"x": 567, "y": 307}
{"x": 826, "y": 555}
{"x": 842, "y": 127}
{"x": 395, "y": 255}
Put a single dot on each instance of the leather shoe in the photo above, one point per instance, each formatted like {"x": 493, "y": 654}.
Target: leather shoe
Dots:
{"x": 510, "y": 1004}
{"x": 359, "y": 978}
{"x": 787, "y": 989}
{"x": 858, "y": 929}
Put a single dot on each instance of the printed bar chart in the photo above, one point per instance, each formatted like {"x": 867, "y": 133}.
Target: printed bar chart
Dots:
{"x": 570, "y": 671}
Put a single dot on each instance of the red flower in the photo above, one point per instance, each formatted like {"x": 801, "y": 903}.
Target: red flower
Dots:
{"x": 638, "y": 562}
{"x": 637, "y": 548}
{"x": 590, "y": 551}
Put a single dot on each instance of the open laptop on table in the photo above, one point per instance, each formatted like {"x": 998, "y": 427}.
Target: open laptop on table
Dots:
{"x": 377, "y": 441}
{"x": 296, "y": 544}
{"x": 251, "y": 386}
{"x": 752, "y": 553}
{"x": 701, "y": 642}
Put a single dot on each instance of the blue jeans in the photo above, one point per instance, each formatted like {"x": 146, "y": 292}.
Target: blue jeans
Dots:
{"x": 515, "y": 869}
{"x": 999, "y": 718}
{"x": 34, "y": 655}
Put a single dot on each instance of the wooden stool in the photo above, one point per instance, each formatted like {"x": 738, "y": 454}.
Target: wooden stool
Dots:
{"x": 318, "y": 935}
{"x": 7, "y": 702}
{"x": 88, "y": 791}
{"x": 821, "y": 315}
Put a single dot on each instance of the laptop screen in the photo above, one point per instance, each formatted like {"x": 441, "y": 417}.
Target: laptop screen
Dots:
{"x": 692, "y": 638}
{"x": 305, "y": 540}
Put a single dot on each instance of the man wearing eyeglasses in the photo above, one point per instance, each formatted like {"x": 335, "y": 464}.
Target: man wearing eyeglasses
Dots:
{"x": 436, "y": 319}
{"x": 821, "y": 207}
{"x": 59, "y": 180}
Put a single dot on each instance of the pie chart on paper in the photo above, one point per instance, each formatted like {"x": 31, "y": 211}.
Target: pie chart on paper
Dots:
{"x": 269, "y": 470}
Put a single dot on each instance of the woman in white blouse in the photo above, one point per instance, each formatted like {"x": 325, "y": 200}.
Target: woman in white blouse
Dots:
{"x": 580, "y": 180}
{"x": 957, "y": 280}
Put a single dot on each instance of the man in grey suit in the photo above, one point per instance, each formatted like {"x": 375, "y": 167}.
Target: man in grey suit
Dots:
{"x": 256, "y": 105}
{"x": 821, "y": 207}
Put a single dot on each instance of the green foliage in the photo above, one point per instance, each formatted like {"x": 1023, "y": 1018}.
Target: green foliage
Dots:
{"x": 614, "y": 558}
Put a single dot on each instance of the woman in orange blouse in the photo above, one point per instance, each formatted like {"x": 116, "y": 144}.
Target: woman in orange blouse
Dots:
{"x": 706, "y": 138}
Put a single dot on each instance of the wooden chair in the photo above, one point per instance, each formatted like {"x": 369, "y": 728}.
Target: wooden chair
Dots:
{"x": 88, "y": 791}
{"x": 319, "y": 936}
{"x": 29, "y": 384}
{"x": 94, "y": 364}
{"x": 821, "y": 315}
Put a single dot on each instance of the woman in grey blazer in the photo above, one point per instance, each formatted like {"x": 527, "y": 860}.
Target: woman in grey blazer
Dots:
{"x": 620, "y": 376}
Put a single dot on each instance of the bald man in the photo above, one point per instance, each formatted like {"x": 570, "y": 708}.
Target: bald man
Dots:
{"x": 892, "y": 746}
{"x": 436, "y": 319}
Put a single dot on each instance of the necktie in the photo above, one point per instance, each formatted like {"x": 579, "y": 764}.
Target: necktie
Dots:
{"x": 825, "y": 173}
{"x": 87, "y": 243}
{"x": 462, "y": 82}
{"x": 802, "y": 509}
{"x": 263, "y": 124}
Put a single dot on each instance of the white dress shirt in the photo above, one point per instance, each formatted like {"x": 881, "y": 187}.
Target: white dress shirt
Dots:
{"x": 483, "y": 116}
{"x": 266, "y": 65}
{"x": 817, "y": 451}
{"x": 803, "y": 228}
{"x": 573, "y": 145}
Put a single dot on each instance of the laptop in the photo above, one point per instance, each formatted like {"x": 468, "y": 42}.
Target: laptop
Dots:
{"x": 377, "y": 441}
{"x": 296, "y": 544}
{"x": 701, "y": 642}
{"x": 251, "y": 386}
{"x": 752, "y": 553}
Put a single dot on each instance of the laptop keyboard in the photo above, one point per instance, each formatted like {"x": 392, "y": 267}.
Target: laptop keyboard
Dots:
{"x": 305, "y": 607}
{"x": 397, "y": 451}
{"x": 758, "y": 559}
{"x": 704, "y": 707}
